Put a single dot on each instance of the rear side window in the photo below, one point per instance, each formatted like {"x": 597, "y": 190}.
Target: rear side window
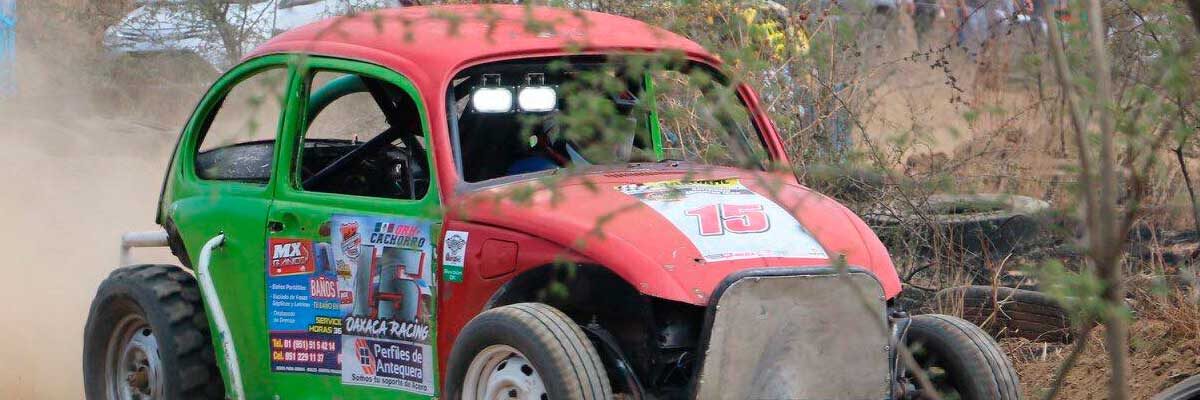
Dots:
{"x": 363, "y": 137}
{"x": 238, "y": 139}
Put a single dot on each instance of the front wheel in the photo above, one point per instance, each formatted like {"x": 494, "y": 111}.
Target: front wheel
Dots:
{"x": 147, "y": 338}
{"x": 960, "y": 360}
{"x": 527, "y": 351}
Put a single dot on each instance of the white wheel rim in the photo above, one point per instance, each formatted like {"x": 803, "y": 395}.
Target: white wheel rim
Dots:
{"x": 500, "y": 372}
{"x": 133, "y": 367}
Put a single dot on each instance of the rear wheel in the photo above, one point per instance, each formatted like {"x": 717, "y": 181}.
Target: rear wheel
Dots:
{"x": 960, "y": 360}
{"x": 525, "y": 351}
{"x": 147, "y": 338}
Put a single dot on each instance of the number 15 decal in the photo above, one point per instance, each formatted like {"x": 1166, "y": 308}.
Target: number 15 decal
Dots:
{"x": 717, "y": 219}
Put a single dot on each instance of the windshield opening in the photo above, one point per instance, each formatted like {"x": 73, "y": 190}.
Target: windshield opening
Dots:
{"x": 533, "y": 115}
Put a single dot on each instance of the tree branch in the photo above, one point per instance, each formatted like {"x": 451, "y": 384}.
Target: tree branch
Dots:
{"x": 1081, "y": 344}
{"x": 1063, "y": 71}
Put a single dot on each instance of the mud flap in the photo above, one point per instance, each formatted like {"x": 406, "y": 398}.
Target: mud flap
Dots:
{"x": 809, "y": 333}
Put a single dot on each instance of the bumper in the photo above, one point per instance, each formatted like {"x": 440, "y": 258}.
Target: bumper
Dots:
{"x": 809, "y": 333}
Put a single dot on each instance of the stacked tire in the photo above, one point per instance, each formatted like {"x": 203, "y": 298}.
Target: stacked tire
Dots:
{"x": 1007, "y": 312}
{"x": 985, "y": 225}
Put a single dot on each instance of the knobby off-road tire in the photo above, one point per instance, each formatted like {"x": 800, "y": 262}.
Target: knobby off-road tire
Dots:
{"x": 1008, "y": 312}
{"x": 160, "y": 302}
{"x": 558, "y": 350}
{"x": 960, "y": 357}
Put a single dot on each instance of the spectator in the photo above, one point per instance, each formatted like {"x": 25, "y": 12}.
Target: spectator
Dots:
{"x": 925, "y": 13}
{"x": 979, "y": 20}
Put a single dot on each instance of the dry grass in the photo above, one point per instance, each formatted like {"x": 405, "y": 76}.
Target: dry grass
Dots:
{"x": 1164, "y": 349}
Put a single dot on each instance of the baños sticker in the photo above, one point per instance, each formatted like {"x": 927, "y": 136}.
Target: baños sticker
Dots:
{"x": 385, "y": 294}
{"x": 303, "y": 314}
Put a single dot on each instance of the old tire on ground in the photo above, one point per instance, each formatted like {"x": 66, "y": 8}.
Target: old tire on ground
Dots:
{"x": 147, "y": 337}
{"x": 1008, "y": 312}
{"x": 1188, "y": 389}
{"x": 961, "y": 359}
{"x": 989, "y": 225}
{"x": 529, "y": 350}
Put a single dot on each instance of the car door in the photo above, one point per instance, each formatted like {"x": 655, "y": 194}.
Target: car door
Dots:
{"x": 220, "y": 182}
{"x": 351, "y": 237}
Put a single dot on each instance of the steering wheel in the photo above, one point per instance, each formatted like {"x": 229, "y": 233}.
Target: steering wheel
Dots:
{"x": 351, "y": 158}
{"x": 379, "y": 142}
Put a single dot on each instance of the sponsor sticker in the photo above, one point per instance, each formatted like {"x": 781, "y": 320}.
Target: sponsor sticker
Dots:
{"x": 454, "y": 256}
{"x": 290, "y": 257}
{"x": 303, "y": 313}
{"x": 358, "y": 304}
{"x": 385, "y": 291}
{"x": 388, "y": 364}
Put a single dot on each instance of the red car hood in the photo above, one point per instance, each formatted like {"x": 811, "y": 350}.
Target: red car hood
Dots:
{"x": 676, "y": 234}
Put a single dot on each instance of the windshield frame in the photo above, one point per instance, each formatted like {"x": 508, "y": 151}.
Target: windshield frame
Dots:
{"x": 757, "y": 119}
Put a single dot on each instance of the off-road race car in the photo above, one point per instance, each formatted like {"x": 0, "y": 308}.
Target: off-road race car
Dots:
{"x": 527, "y": 203}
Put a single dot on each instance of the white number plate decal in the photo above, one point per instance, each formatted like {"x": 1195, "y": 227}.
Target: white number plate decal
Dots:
{"x": 725, "y": 221}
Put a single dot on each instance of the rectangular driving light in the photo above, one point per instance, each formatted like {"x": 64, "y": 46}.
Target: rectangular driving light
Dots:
{"x": 492, "y": 99}
{"x": 535, "y": 95}
{"x": 537, "y": 99}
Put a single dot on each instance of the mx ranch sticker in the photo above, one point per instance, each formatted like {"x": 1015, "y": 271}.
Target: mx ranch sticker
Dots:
{"x": 359, "y": 304}
{"x": 726, "y": 221}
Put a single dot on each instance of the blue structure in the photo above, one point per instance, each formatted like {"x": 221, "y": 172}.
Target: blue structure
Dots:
{"x": 8, "y": 39}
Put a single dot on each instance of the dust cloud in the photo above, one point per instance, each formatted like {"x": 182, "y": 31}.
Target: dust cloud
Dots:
{"x": 71, "y": 185}
{"x": 77, "y": 171}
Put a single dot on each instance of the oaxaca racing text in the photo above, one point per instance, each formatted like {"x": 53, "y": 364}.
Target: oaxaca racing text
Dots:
{"x": 380, "y": 328}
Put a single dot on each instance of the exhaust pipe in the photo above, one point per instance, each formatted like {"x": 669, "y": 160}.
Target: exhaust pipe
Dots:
{"x": 130, "y": 240}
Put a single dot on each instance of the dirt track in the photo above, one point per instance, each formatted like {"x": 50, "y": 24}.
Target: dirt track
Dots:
{"x": 73, "y": 181}
{"x": 72, "y": 185}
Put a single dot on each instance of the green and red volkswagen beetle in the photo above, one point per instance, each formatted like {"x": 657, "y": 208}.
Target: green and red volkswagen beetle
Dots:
{"x": 506, "y": 202}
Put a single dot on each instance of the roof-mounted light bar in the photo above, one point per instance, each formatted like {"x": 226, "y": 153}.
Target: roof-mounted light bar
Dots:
{"x": 535, "y": 96}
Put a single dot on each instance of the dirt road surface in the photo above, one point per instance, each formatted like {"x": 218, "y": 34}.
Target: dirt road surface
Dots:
{"x": 72, "y": 185}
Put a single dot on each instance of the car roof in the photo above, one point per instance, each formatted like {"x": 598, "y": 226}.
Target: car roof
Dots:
{"x": 433, "y": 42}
